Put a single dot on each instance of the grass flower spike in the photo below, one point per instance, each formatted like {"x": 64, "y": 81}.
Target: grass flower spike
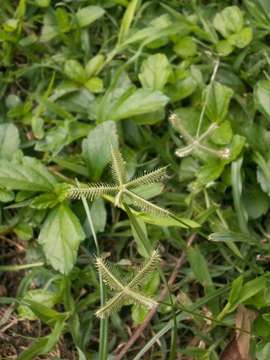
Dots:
{"x": 196, "y": 143}
{"x": 124, "y": 190}
{"x": 126, "y": 292}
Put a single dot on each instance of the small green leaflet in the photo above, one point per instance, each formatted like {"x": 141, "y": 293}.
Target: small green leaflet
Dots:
{"x": 29, "y": 175}
{"x": 60, "y": 238}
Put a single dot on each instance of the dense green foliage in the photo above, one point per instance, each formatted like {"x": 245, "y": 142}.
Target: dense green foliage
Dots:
{"x": 174, "y": 96}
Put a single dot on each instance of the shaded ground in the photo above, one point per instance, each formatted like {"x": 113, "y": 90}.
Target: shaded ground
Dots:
{"x": 16, "y": 334}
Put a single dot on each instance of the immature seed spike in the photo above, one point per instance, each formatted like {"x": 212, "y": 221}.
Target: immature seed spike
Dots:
{"x": 118, "y": 166}
{"x": 177, "y": 124}
{"x": 223, "y": 154}
{"x": 148, "y": 178}
{"x": 140, "y": 299}
{"x": 147, "y": 268}
{"x": 127, "y": 293}
{"x": 184, "y": 151}
{"x": 145, "y": 205}
{"x": 91, "y": 191}
{"x": 208, "y": 132}
{"x": 107, "y": 275}
{"x": 126, "y": 296}
{"x": 112, "y": 306}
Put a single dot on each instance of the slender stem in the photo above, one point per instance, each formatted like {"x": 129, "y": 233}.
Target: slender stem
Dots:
{"x": 184, "y": 151}
{"x": 178, "y": 125}
{"x": 223, "y": 154}
{"x": 103, "y": 332}
{"x": 20, "y": 267}
{"x": 207, "y": 98}
{"x": 148, "y": 205}
{"x": 208, "y": 132}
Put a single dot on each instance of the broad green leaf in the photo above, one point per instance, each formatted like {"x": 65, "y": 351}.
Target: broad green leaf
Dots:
{"x": 226, "y": 236}
{"x": 263, "y": 172}
{"x": 229, "y": 21}
{"x": 45, "y": 313}
{"x": 49, "y": 28}
{"x": 241, "y": 293}
{"x": 148, "y": 191}
{"x": 30, "y": 175}
{"x": 87, "y": 15}
{"x": 210, "y": 171}
{"x": 155, "y": 71}
{"x": 42, "y": 3}
{"x": 61, "y": 135}
{"x": 99, "y": 215}
{"x": 224, "y": 48}
{"x": 149, "y": 119}
{"x": 242, "y": 38}
{"x": 256, "y": 202}
{"x": 55, "y": 138}
{"x": 72, "y": 165}
{"x": 74, "y": 71}
{"x": 201, "y": 272}
{"x": 21, "y": 8}
{"x": 24, "y": 231}
{"x": 252, "y": 288}
{"x": 182, "y": 88}
{"x": 94, "y": 85}
{"x": 235, "y": 147}
{"x": 142, "y": 101}
{"x": 103, "y": 106}
{"x": 6, "y": 195}
{"x": 9, "y": 140}
{"x": 265, "y": 5}
{"x": 11, "y": 25}
{"x": 189, "y": 117}
{"x": 223, "y": 134}
{"x": 49, "y": 200}
{"x": 218, "y": 100}
{"x": 259, "y": 10}
{"x": 139, "y": 313}
{"x": 140, "y": 233}
{"x": 96, "y": 148}
{"x": 230, "y": 238}
{"x": 234, "y": 296}
{"x": 185, "y": 47}
{"x": 45, "y": 297}
{"x": 60, "y": 238}
{"x": 263, "y": 353}
{"x": 37, "y": 124}
{"x": 127, "y": 20}
{"x": 262, "y": 97}
{"x": 94, "y": 65}
{"x": 188, "y": 169}
{"x": 261, "y": 329}
{"x": 199, "y": 266}
{"x": 159, "y": 28}
{"x": 63, "y": 18}
{"x": 261, "y": 299}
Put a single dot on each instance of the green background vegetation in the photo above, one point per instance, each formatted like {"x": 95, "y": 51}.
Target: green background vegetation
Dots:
{"x": 178, "y": 83}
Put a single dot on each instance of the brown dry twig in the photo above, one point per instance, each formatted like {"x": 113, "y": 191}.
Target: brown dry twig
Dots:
{"x": 138, "y": 332}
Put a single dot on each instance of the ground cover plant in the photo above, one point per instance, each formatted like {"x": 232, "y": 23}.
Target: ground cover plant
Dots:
{"x": 134, "y": 179}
